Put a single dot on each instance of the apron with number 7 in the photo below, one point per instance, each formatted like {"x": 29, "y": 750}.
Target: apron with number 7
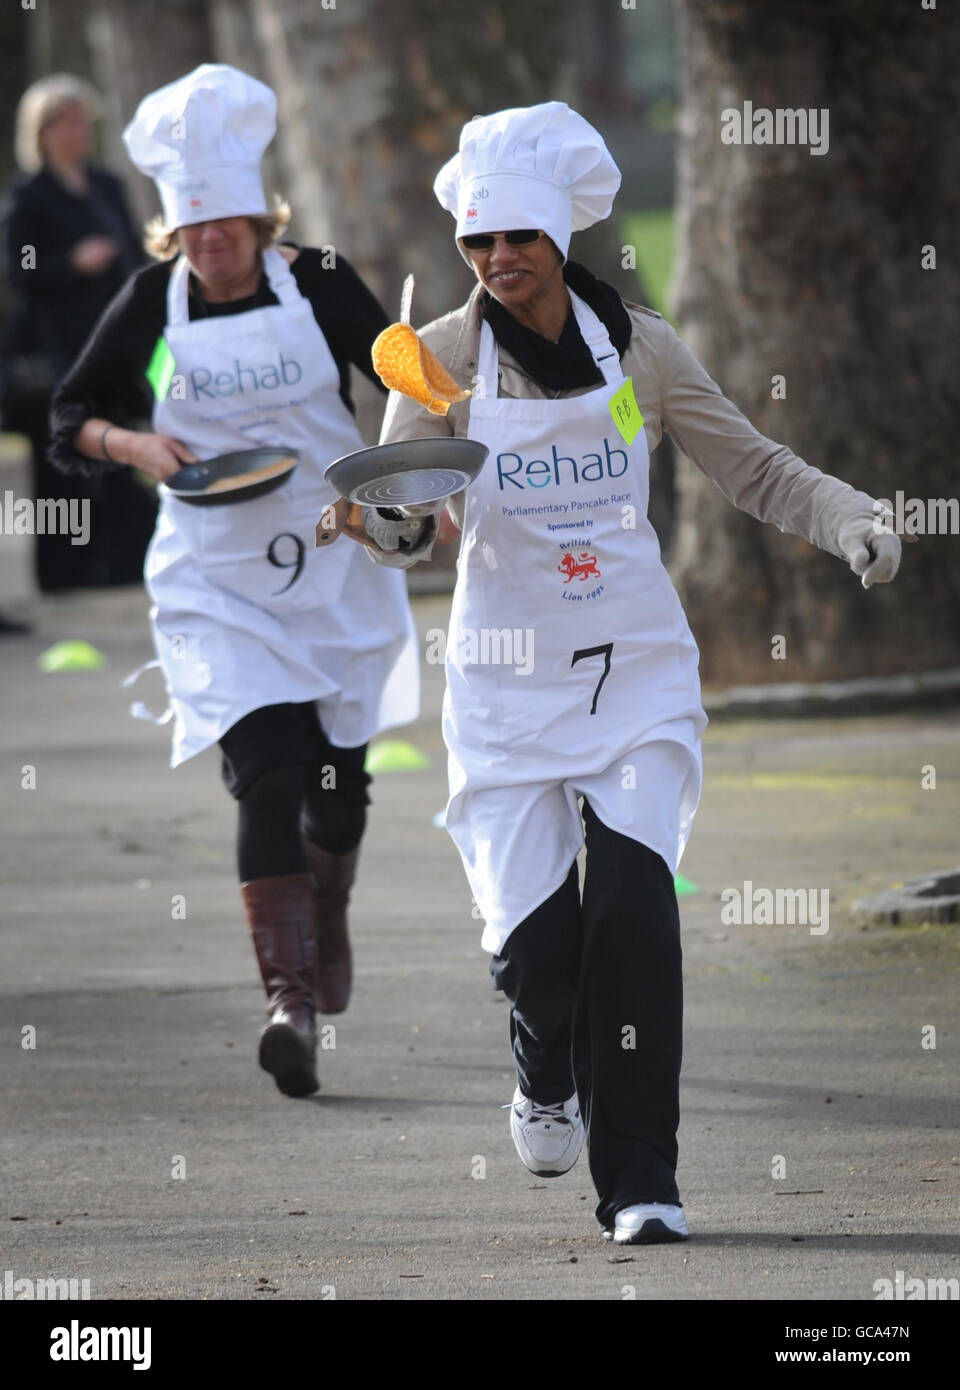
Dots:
{"x": 247, "y": 611}
{"x": 571, "y": 670}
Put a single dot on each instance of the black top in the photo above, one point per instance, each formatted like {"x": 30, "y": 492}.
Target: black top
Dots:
{"x": 567, "y": 364}
{"x": 108, "y": 379}
{"x": 54, "y": 306}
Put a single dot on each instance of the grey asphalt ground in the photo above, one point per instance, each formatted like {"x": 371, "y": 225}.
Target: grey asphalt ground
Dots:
{"x": 803, "y": 1046}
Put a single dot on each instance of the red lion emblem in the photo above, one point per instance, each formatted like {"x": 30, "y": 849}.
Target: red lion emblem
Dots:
{"x": 580, "y": 567}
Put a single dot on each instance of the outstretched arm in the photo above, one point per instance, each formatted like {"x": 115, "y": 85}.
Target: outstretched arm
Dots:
{"x": 764, "y": 478}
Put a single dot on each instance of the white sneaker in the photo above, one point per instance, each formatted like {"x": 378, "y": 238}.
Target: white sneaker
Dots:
{"x": 548, "y": 1138}
{"x": 654, "y": 1223}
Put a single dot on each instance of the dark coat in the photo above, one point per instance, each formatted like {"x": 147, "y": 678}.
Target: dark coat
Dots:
{"x": 52, "y": 307}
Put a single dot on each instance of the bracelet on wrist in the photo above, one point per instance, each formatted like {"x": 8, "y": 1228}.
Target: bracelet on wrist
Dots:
{"x": 103, "y": 445}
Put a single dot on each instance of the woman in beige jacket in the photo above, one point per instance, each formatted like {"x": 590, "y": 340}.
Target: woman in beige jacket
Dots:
{"x": 572, "y": 388}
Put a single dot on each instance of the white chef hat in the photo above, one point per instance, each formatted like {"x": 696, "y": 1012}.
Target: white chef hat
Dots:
{"x": 531, "y": 166}
{"x": 202, "y": 139}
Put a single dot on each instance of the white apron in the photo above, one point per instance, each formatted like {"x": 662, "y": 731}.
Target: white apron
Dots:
{"x": 571, "y": 670}
{"x": 247, "y": 611}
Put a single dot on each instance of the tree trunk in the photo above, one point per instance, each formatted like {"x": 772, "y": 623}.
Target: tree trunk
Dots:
{"x": 235, "y": 41}
{"x": 15, "y": 76}
{"x": 598, "y": 89}
{"x": 372, "y": 98}
{"x": 809, "y": 266}
{"x": 137, "y": 46}
{"x": 53, "y": 43}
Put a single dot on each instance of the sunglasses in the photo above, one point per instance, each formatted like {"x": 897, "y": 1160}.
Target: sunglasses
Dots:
{"x": 483, "y": 241}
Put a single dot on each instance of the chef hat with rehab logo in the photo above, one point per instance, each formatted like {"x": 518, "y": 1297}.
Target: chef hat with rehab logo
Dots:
{"x": 531, "y": 166}
{"x": 201, "y": 139}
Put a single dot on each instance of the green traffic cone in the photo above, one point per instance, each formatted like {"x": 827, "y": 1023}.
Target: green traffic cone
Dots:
{"x": 395, "y": 755}
{"x": 71, "y": 655}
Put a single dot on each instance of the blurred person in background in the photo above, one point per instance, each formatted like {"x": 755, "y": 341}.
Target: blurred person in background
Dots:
{"x": 69, "y": 244}
{"x": 291, "y": 657}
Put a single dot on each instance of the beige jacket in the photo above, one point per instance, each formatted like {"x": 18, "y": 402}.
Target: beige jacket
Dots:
{"x": 675, "y": 394}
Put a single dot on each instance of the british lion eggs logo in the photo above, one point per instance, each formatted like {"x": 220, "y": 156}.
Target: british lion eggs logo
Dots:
{"x": 580, "y": 567}
{"x": 471, "y": 214}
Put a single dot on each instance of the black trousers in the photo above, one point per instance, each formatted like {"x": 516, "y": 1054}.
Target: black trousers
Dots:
{"x": 290, "y": 781}
{"x": 596, "y": 990}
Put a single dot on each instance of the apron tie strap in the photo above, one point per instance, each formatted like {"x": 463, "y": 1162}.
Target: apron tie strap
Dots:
{"x": 138, "y": 710}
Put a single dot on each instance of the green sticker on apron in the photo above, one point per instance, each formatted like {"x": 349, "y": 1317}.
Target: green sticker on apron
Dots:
{"x": 160, "y": 371}
{"x": 626, "y": 412}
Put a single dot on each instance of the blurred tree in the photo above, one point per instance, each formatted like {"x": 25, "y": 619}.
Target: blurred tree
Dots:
{"x": 372, "y": 98}
{"x": 810, "y": 266}
{"x": 13, "y": 78}
{"x": 598, "y": 40}
{"x": 136, "y": 46}
{"x": 234, "y": 40}
{"x": 53, "y": 43}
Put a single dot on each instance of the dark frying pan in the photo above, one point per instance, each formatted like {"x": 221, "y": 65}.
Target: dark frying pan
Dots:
{"x": 237, "y": 477}
{"x": 409, "y": 472}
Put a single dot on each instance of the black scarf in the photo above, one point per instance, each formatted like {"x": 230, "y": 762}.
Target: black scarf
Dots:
{"x": 565, "y": 365}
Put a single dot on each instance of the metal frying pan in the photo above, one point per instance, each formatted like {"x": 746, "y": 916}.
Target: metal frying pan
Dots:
{"x": 407, "y": 473}
{"x": 236, "y": 477}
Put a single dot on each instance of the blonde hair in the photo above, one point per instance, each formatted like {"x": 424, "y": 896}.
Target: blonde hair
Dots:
{"x": 41, "y": 104}
{"x": 162, "y": 242}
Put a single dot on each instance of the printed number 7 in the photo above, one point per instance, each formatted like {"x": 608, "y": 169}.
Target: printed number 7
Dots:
{"x": 606, "y": 651}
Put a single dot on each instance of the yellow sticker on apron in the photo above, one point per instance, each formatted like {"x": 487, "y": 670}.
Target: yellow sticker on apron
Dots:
{"x": 626, "y": 412}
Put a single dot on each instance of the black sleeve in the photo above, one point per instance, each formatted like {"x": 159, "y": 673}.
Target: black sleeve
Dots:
{"x": 24, "y": 217}
{"x": 349, "y": 314}
{"x": 133, "y": 253}
{"x": 107, "y": 379}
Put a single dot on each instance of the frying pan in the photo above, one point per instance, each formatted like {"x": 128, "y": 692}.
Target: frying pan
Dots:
{"x": 409, "y": 472}
{"x": 192, "y": 482}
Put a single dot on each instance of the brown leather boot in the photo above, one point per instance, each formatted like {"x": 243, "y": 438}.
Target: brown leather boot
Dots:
{"x": 334, "y": 875}
{"x": 280, "y": 914}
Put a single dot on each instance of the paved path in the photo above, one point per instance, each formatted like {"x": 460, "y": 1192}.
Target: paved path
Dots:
{"x": 797, "y": 1045}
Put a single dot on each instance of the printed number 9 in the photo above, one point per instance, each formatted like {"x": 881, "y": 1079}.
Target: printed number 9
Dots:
{"x": 296, "y": 564}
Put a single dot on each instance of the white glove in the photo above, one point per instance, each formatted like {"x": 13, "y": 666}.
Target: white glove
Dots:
{"x": 424, "y": 508}
{"x": 407, "y": 535}
{"x": 875, "y": 556}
